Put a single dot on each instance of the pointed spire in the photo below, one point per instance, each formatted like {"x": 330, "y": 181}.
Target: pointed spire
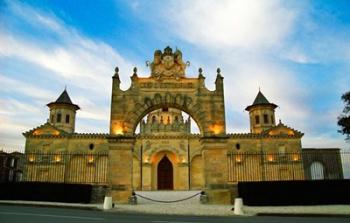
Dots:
{"x": 260, "y": 99}
{"x": 64, "y": 99}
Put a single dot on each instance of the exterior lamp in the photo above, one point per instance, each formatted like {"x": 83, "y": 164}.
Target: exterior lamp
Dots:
{"x": 238, "y": 159}
{"x": 91, "y": 159}
{"x": 270, "y": 158}
{"x": 31, "y": 158}
{"x": 57, "y": 158}
{"x": 295, "y": 157}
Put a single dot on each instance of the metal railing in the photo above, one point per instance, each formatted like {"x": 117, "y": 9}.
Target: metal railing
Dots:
{"x": 56, "y": 167}
{"x": 305, "y": 165}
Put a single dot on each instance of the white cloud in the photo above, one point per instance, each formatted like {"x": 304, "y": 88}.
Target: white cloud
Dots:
{"x": 231, "y": 23}
{"x": 11, "y": 85}
{"x": 72, "y": 58}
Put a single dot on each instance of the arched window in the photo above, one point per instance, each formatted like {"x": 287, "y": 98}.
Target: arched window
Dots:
{"x": 257, "y": 119}
{"x": 168, "y": 120}
{"x": 317, "y": 171}
{"x": 59, "y": 117}
{"x": 266, "y": 119}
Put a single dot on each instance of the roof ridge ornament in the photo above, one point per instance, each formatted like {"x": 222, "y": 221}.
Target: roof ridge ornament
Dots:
{"x": 167, "y": 64}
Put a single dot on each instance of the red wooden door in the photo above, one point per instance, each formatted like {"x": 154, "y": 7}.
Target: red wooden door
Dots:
{"x": 165, "y": 174}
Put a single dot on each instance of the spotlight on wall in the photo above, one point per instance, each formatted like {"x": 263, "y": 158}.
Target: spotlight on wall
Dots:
{"x": 57, "y": 158}
{"x": 296, "y": 157}
{"x": 31, "y": 158}
{"x": 90, "y": 159}
{"x": 270, "y": 158}
{"x": 146, "y": 159}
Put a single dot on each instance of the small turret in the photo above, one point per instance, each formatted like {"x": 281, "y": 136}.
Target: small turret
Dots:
{"x": 62, "y": 113}
{"x": 261, "y": 114}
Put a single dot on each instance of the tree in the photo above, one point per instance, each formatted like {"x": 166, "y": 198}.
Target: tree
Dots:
{"x": 344, "y": 118}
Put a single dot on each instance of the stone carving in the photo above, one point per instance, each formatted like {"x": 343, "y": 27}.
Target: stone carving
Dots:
{"x": 167, "y": 64}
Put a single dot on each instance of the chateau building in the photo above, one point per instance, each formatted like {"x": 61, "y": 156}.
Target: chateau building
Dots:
{"x": 165, "y": 155}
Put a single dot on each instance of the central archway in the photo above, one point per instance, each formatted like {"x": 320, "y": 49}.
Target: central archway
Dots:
{"x": 165, "y": 174}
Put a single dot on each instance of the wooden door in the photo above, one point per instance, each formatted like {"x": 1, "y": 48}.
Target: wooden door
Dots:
{"x": 165, "y": 174}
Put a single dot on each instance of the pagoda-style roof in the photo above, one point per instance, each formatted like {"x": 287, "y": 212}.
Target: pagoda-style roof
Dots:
{"x": 260, "y": 99}
{"x": 64, "y": 99}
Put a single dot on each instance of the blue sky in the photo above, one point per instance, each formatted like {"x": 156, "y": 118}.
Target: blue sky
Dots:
{"x": 297, "y": 52}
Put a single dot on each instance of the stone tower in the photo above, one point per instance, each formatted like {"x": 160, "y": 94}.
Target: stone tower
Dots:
{"x": 165, "y": 121}
{"x": 261, "y": 114}
{"x": 62, "y": 113}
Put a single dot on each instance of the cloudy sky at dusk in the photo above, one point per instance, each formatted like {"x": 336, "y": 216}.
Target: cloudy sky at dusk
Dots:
{"x": 297, "y": 52}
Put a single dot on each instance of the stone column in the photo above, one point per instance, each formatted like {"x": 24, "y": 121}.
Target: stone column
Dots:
{"x": 182, "y": 176}
{"x": 120, "y": 168}
{"x": 147, "y": 176}
{"x": 214, "y": 153}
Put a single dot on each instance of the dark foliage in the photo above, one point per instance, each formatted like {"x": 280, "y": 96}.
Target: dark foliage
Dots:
{"x": 344, "y": 118}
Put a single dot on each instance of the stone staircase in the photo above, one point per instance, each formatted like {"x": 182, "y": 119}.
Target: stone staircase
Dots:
{"x": 168, "y": 196}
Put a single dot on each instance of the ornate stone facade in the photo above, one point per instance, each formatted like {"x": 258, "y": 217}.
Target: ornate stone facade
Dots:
{"x": 165, "y": 154}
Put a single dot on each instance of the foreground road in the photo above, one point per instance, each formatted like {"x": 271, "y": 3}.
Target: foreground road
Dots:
{"x": 25, "y": 214}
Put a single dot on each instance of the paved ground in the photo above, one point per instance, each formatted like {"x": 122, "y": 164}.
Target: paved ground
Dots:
{"x": 28, "y": 214}
{"x": 199, "y": 209}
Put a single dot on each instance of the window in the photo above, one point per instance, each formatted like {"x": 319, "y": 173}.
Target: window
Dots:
{"x": 176, "y": 119}
{"x": 153, "y": 119}
{"x": 238, "y": 146}
{"x": 266, "y": 119}
{"x": 59, "y": 117}
{"x": 165, "y": 109}
{"x": 317, "y": 171}
{"x": 67, "y": 118}
{"x": 257, "y": 119}
{"x": 168, "y": 120}
{"x": 272, "y": 120}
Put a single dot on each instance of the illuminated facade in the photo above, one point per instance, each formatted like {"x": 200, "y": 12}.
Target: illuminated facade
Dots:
{"x": 165, "y": 155}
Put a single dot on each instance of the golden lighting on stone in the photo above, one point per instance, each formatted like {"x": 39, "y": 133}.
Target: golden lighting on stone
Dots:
{"x": 183, "y": 160}
{"x": 238, "y": 159}
{"x": 270, "y": 158}
{"x": 90, "y": 159}
{"x": 146, "y": 159}
{"x": 47, "y": 132}
{"x": 291, "y": 133}
{"x": 57, "y": 158}
{"x": 296, "y": 157}
{"x": 31, "y": 158}
{"x": 216, "y": 128}
{"x": 118, "y": 129}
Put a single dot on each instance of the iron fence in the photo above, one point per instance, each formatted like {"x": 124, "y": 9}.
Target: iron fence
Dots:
{"x": 305, "y": 165}
{"x": 55, "y": 167}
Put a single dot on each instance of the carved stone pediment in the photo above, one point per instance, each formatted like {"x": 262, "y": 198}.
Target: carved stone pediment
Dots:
{"x": 167, "y": 64}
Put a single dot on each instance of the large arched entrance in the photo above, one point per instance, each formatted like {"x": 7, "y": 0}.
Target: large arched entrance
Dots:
{"x": 165, "y": 174}
{"x": 166, "y": 87}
